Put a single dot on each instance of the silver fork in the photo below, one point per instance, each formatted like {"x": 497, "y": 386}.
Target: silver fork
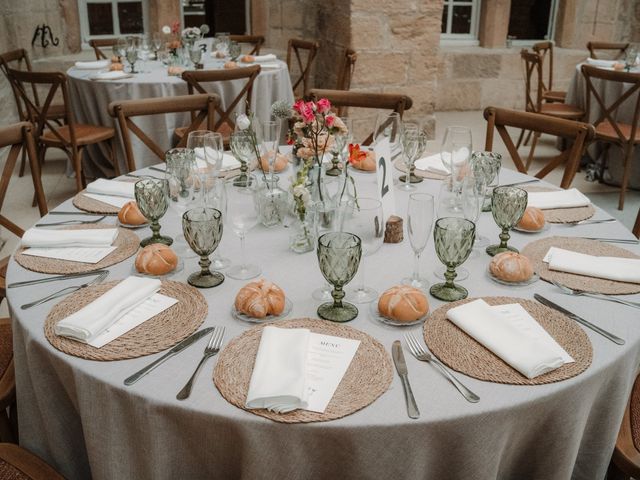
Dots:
{"x": 66, "y": 290}
{"x": 213, "y": 347}
{"x": 590, "y": 222}
{"x": 71, "y": 222}
{"x": 421, "y": 354}
{"x": 599, "y": 296}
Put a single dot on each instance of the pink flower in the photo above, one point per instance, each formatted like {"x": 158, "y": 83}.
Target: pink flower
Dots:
{"x": 311, "y": 106}
{"x": 324, "y": 105}
{"x": 306, "y": 112}
{"x": 298, "y": 106}
{"x": 329, "y": 119}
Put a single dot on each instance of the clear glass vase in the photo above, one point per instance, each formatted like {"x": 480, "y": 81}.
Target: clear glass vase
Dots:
{"x": 303, "y": 236}
{"x": 271, "y": 202}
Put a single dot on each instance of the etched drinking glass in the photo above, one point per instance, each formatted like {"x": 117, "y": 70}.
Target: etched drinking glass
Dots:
{"x": 152, "y": 199}
{"x": 241, "y": 145}
{"x": 454, "y": 241}
{"x": 339, "y": 256}
{"x": 487, "y": 165}
{"x": 341, "y": 138}
{"x": 507, "y": 207}
{"x": 184, "y": 185}
{"x": 202, "y": 228}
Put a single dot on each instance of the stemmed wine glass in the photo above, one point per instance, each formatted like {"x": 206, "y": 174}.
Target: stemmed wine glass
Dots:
{"x": 366, "y": 221}
{"x": 132, "y": 56}
{"x": 183, "y": 180}
{"x": 203, "y": 230}
{"x": 419, "y": 223}
{"x": 269, "y": 142}
{"x": 152, "y": 199}
{"x": 242, "y": 148}
{"x": 449, "y": 205}
{"x": 413, "y": 144}
{"x": 242, "y": 217}
{"x": 157, "y": 43}
{"x": 507, "y": 207}
{"x": 215, "y": 196}
{"x": 473, "y": 188}
{"x": 208, "y": 148}
{"x": 487, "y": 165}
{"x": 144, "y": 52}
{"x": 340, "y": 141}
{"x": 456, "y": 152}
{"x": 339, "y": 256}
{"x": 121, "y": 48}
{"x": 454, "y": 241}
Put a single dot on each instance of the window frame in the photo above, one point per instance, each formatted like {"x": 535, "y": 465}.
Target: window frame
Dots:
{"x": 470, "y": 38}
{"x": 84, "y": 19}
{"x": 551, "y": 29}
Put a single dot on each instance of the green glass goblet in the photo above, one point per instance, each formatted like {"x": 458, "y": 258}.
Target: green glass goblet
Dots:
{"x": 241, "y": 145}
{"x": 152, "y": 199}
{"x": 454, "y": 241}
{"x": 507, "y": 207}
{"x": 339, "y": 256}
{"x": 487, "y": 165}
{"x": 202, "y": 229}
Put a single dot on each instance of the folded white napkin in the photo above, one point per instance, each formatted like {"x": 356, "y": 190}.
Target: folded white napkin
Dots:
{"x": 90, "y": 321}
{"x": 229, "y": 162}
{"x": 279, "y": 381}
{"x": 270, "y": 66}
{"x": 611, "y": 268}
{"x": 601, "y": 63}
{"x": 114, "y": 75}
{"x": 269, "y": 57}
{"x": 432, "y": 163}
{"x": 93, "y": 65}
{"x": 103, "y": 186}
{"x": 44, "y": 237}
{"x": 512, "y": 334}
{"x": 571, "y": 198}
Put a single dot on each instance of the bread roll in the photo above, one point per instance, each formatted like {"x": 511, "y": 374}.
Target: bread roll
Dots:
{"x": 511, "y": 267}
{"x": 368, "y": 164}
{"x": 279, "y": 165}
{"x": 533, "y": 219}
{"x": 130, "y": 214}
{"x": 156, "y": 259}
{"x": 248, "y": 59}
{"x": 260, "y": 298}
{"x": 219, "y": 54}
{"x": 230, "y": 65}
{"x": 403, "y": 304}
{"x": 116, "y": 66}
{"x": 175, "y": 70}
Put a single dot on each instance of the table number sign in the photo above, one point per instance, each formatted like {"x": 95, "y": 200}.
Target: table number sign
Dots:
{"x": 384, "y": 171}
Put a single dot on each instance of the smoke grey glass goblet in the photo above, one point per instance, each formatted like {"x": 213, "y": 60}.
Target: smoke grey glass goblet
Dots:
{"x": 203, "y": 230}
{"x": 487, "y": 165}
{"x": 454, "y": 241}
{"x": 339, "y": 256}
{"x": 152, "y": 199}
{"x": 507, "y": 207}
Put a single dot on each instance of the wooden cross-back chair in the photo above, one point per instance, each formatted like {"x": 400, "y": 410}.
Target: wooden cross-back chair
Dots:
{"x": 580, "y": 133}
{"x": 72, "y": 137}
{"x": 345, "y": 74}
{"x": 296, "y": 50}
{"x": 534, "y": 89}
{"x": 398, "y": 103}
{"x": 636, "y": 226}
{"x": 255, "y": 42}
{"x": 625, "y": 461}
{"x": 608, "y": 129}
{"x": 545, "y": 50}
{"x": 196, "y": 83}
{"x": 17, "y": 463}
{"x": 616, "y": 50}
{"x": 19, "y": 60}
{"x": 98, "y": 44}
{"x": 124, "y": 111}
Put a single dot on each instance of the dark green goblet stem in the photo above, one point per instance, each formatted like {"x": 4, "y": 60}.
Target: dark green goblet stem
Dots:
{"x": 504, "y": 238}
{"x": 334, "y": 171}
{"x": 413, "y": 178}
{"x": 205, "y": 263}
{"x": 449, "y": 276}
{"x": 242, "y": 179}
{"x": 156, "y": 237}
{"x": 338, "y": 295}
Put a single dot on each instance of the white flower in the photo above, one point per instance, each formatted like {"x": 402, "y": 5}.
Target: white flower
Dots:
{"x": 166, "y": 29}
{"x": 301, "y": 192}
{"x": 243, "y": 122}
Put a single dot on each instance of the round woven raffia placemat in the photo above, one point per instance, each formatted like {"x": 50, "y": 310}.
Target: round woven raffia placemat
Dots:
{"x": 563, "y": 215}
{"x": 82, "y": 202}
{"x": 536, "y": 251}
{"x": 127, "y": 244}
{"x": 368, "y": 376}
{"x": 156, "y": 334}
{"x": 399, "y": 164}
{"x": 464, "y": 354}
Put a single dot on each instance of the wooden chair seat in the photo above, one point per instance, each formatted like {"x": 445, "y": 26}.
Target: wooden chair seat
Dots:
{"x": 606, "y": 131}
{"x": 85, "y": 135}
{"x": 561, "y": 110}
{"x": 554, "y": 96}
{"x": 16, "y": 463}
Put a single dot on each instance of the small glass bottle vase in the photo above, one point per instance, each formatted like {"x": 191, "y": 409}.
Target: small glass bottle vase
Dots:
{"x": 271, "y": 202}
{"x": 302, "y": 238}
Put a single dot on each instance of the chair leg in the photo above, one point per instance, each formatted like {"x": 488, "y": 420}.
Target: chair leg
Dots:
{"x": 520, "y": 138}
{"x": 23, "y": 162}
{"x": 6, "y": 432}
{"x": 76, "y": 159}
{"x": 113, "y": 158}
{"x": 628, "y": 151}
{"x": 41, "y": 153}
{"x": 526, "y": 140}
{"x": 533, "y": 147}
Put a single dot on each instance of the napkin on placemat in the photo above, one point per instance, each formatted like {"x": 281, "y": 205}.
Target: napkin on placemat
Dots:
{"x": 571, "y": 198}
{"x": 433, "y": 164}
{"x": 269, "y": 57}
{"x": 610, "y": 268}
{"x": 93, "y": 319}
{"x": 113, "y": 75}
{"x": 512, "y": 334}
{"x": 103, "y": 186}
{"x": 278, "y": 382}
{"x": 229, "y": 162}
{"x": 601, "y": 63}
{"x": 46, "y": 238}
{"x": 93, "y": 65}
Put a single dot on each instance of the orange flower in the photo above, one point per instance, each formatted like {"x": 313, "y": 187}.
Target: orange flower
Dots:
{"x": 355, "y": 154}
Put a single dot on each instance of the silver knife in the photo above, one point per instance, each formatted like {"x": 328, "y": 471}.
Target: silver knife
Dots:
{"x": 578, "y": 319}
{"x": 178, "y": 348}
{"x": 401, "y": 367}
{"x": 54, "y": 279}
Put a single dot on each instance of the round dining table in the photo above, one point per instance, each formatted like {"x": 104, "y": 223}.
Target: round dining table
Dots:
{"x": 90, "y": 99}
{"x": 80, "y": 417}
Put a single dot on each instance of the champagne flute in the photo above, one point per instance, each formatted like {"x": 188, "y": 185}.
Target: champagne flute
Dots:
{"x": 242, "y": 217}
{"x": 473, "y": 188}
{"x": 456, "y": 151}
{"x": 157, "y": 43}
{"x": 144, "y": 53}
{"x": 215, "y": 196}
{"x": 203, "y": 230}
{"x": 269, "y": 141}
{"x": 507, "y": 207}
{"x": 367, "y": 222}
{"x": 419, "y": 222}
{"x": 241, "y": 145}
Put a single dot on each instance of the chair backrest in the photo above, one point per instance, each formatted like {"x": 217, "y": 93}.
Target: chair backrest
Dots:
{"x": 255, "y": 42}
{"x": 17, "y": 60}
{"x": 296, "y": 50}
{"x": 19, "y": 136}
{"x": 545, "y": 50}
{"x": 608, "y": 109}
{"x": 381, "y": 101}
{"x": 617, "y": 50}
{"x": 533, "y": 84}
{"x": 102, "y": 42}
{"x": 36, "y": 113}
{"x": 581, "y": 133}
{"x": 124, "y": 111}
{"x": 196, "y": 78}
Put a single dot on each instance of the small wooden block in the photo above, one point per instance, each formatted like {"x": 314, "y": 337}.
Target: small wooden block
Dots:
{"x": 393, "y": 230}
